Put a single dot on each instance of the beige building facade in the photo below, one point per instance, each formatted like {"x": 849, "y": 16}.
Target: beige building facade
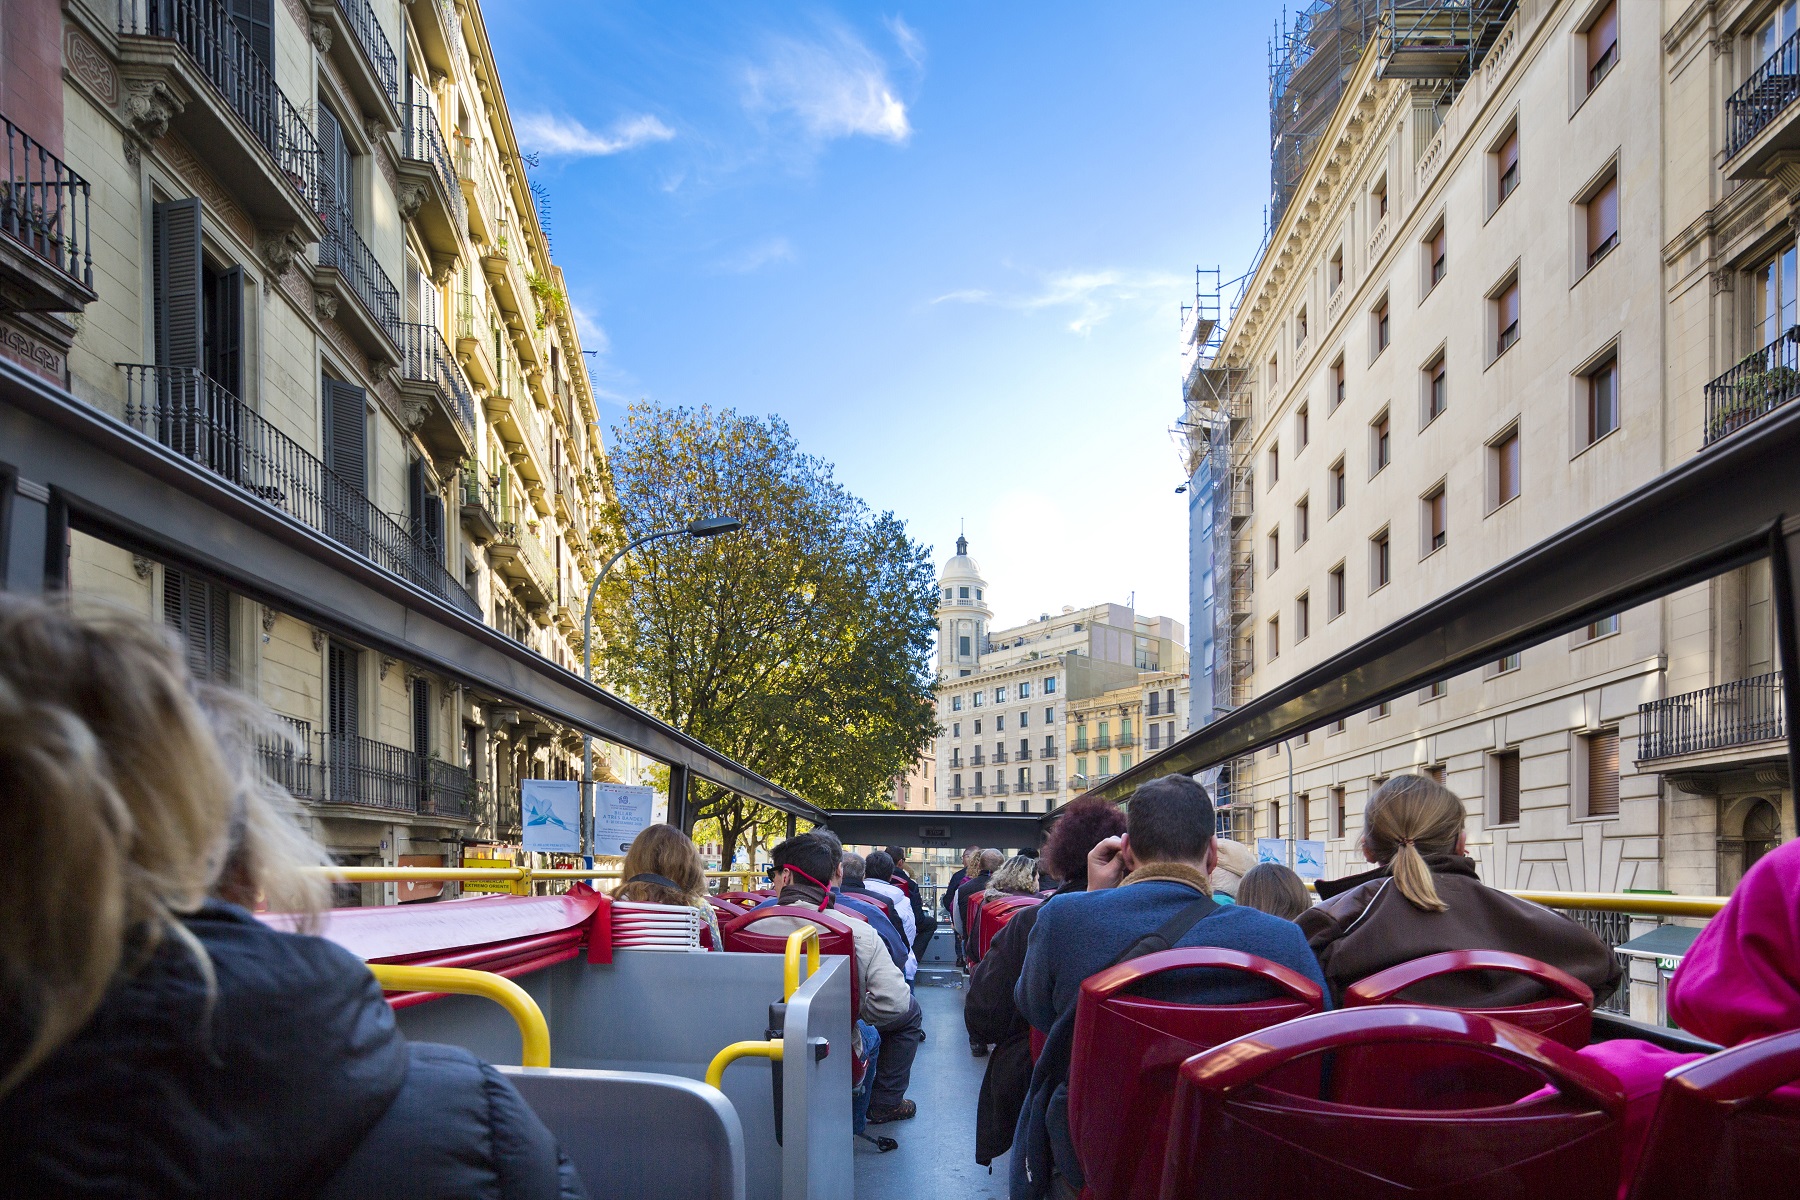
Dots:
{"x": 1109, "y": 732}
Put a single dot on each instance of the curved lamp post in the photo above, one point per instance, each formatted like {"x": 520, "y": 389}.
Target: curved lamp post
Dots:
{"x": 699, "y": 527}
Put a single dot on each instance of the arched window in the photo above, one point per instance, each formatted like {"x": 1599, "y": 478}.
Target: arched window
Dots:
{"x": 1762, "y": 831}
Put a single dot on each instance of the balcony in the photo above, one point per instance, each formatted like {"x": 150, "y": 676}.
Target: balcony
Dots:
{"x": 1759, "y": 116}
{"x": 1125, "y": 742}
{"x": 1049, "y": 780}
{"x": 187, "y": 68}
{"x": 1000, "y": 788}
{"x": 440, "y": 35}
{"x": 1741, "y": 713}
{"x": 975, "y": 759}
{"x": 203, "y": 422}
{"x": 480, "y": 511}
{"x": 46, "y": 262}
{"x": 520, "y": 555}
{"x": 1081, "y": 746}
{"x": 955, "y": 763}
{"x": 364, "y": 57}
{"x": 368, "y": 304}
{"x": 290, "y": 762}
{"x": 425, "y": 166}
{"x": 360, "y": 772}
{"x": 977, "y": 790}
{"x": 1025, "y": 785}
{"x": 1758, "y": 385}
{"x": 485, "y": 210}
{"x": 955, "y": 793}
{"x": 1024, "y": 753}
{"x": 1103, "y": 742}
{"x": 439, "y": 401}
{"x": 999, "y": 758}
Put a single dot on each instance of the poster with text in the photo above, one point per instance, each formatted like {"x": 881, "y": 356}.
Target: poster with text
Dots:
{"x": 620, "y": 814}
{"x": 1309, "y": 860}
{"x": 552, "y": 814}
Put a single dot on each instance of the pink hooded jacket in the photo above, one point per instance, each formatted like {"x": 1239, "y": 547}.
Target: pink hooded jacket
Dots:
{"x": 1739, "y": 981}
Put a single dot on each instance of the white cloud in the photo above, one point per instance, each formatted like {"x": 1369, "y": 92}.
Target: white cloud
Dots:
{"x": 593, "y": 336}
{"x": 552, "y": 135}
{"x": 1090, "y": 296}
{"x": 772, "y": 250}
{"x": 835, "y": 87}
{"x": 908, "y": 39}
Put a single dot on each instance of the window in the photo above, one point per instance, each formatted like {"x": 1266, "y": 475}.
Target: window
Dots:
{"x": 1024, "y": 718}
{"x": 1274, "y": 463}
{"x": 962, "y": 593}
{"x": 956, "y": 704}
{"x": 962, "y": 646}
{"x": 1379, "y": 319}
{"x": 1337, "y": 383}
{"x": 1336, "y": 593}
{"x": 1601, "y": 388}
{"x": 1509, "y": 663}
{"x": 1503, "y": 468}
{"x": 1375, "y": 714}
{"x": 1436, "y": 514}
{"x": 1274, "y": 550}
{"x": 1603, "y": 44}
{"x": 1380, "y": 562}
{"x": 1275, "y": 813}
{"x": 1024, "y": 694}
{"x": 1155, "y": 737}
{"x": 978, "y": 726}
{"x": 1300, "y": 328}
{"x": 1000, "y": 695}
{"x": 1602, "y": 755}
{"x": 1436, "y": 261}
{"x": 1049, "y": 713}
{"x": 1378, "y": 195}
{"x": 1049, "y": 745}
{"x": 1302, "y": 617}
{"x": 1303, "y": 815}
{"x": 1602, "y": 210}
{"x": 1336, "y": 491}
{"x": 1302, "y": 521}
{"x": 1339, "y": 725}
{"x": 1274, "y": 372}
{"x": 1155, "y": 703}
{"x": 1604, "y": 627}
{"x": 1334, "y": 271}
{"x": 978, "y": 699}
{"x": 1274, "y": 638}
{"x": 1381, "y": 443}
{"x": 1775, "y": 32}
{"x": 1503, "y": 770}
{"x": 999, "y": 805}
{"x": 1506, "y": 316}
{"x": 1772, "y": 298}
{"x": 201, "y": 614}
{"x": 1104, "y": 762}
{"x": 1437, "y": 395}
{"x": 999, "y": 722}
{"x": 1302, "y": 427}
{"x": 1434, "y": 691}
{"x": 1337, "y": 812}
{"x": 1506, "y": 166}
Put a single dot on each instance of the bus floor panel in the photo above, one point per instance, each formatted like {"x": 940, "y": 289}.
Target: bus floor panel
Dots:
{"x": 937, "y": 1148}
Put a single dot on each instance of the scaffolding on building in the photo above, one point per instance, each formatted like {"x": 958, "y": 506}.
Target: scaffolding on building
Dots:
{"x": 1311, "y": 59}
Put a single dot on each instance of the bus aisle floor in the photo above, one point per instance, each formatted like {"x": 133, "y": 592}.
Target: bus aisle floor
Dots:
{"x": 937, "y": 1148}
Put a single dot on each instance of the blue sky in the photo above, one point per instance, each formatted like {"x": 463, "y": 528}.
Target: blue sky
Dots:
{"x": 947, "y": 244}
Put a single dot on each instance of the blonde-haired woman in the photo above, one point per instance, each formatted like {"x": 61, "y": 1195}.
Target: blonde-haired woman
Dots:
{"x": 664, "y": 866}
{"x": 1428, "y": 899}
{"x": 1017, "y": 876}
{"x": 156, "y": 1039}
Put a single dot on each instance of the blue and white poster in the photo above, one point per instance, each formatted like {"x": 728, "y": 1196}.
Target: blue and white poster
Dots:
{"x": 1271, "y": 850}
{"x": 1309, "y": 860}
{"x": 620, "y": 814}
{"x": 552, "y": 814}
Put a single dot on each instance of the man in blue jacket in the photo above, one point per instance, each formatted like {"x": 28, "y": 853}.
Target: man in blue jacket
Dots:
{"x": 1138, "y": 885}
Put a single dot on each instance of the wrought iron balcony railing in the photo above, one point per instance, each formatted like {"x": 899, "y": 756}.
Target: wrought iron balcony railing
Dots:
{"x": 425, "y": 143}
{"x": 44, "y": 207}
{"x": 1763, "y": 97}
{"x": 1760, "y": 383}
{"x": 374, "y": 44}
{"x": 427, "y": 358}
{"x": 1714, "y": 718}
{"x": 206, "y": 34}
{"x": 290, "y": 763}
{"x": 366, "y": 773}
{"x": 344, "y": 250}
{"x": 202, "y": 421}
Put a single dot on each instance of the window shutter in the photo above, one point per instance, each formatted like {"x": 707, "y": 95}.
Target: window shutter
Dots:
{"x": 337, "y": 173}
{"x": 434, "y": 524}
{"x": 223, "y": 343}
{"x": 421, "y": 712}
{"x": 346, "y": 434}
{"x": 342, "y": 715}
{"x": 176, "y": 272}
{"x": 1507, "y": 770}
{"x": 1603, "y": 774}
{"x": 416, "y": 491}
{"x": 255, "y": 19}
{"x": 201, "y": 614}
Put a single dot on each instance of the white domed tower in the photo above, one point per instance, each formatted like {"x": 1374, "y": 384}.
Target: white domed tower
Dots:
{"x": 963, "y": 614}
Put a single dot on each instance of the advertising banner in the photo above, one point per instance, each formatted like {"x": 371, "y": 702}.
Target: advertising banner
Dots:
{"x": 552, "y": 814}
{"x": 620, "y": 814}
{"x": 1309, "y": 860}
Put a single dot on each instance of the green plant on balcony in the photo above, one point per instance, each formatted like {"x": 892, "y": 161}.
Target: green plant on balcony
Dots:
{"x": 549, "y": 297}
{"x": 1763, "y": 386}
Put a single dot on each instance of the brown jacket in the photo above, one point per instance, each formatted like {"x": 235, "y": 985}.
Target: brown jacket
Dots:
{"x": 1373, "y": 927}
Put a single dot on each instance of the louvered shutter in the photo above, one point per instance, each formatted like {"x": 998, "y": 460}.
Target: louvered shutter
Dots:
{"x": 335, "y": 149}
{"x": 201, "y": 613}
{"x": 342, "y": 715}
{"x": 176, "y": 270}
{"x": 1603, "y": 774}
{"x": 1507, "y": 770}
{"x": 256, "y": 21}
{"x": 346, "y": 464}
{"x": 223, "y": 342}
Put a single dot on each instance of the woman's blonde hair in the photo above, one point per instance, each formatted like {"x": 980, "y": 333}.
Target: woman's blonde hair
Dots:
{"x": 1409, "y": 817}
{"x": 132, "y": 793}
{"x": 664, "y": 850}
{"x": 1017, "y": 876}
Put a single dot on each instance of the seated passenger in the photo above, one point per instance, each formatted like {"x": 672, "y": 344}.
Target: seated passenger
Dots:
{"x": 989, "y": 1010}
{"x": 878, "y": 874}
{"x": 156, "y": 1039}
{"x": 1152, "y": 883}
{"x": 804, "y": 867}
{"x": 947, "y": 901}
{"x": 924, "y": 920}
{"x": 1274, "y": 889}
{"x": 1235, "y": 862}
{"x": 1017, "y": 876}
{"x": 1428, "y": 899}
{"x": 664, "y": 866}
{"x": 851, "y": 891}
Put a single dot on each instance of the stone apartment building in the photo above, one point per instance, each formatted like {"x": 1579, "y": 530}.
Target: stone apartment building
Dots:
{"x": 1110, "y": 731}
{"x": 1506, "y": 291}
{"x": 1005, "y": 696}
{"x": 297, "y": 245}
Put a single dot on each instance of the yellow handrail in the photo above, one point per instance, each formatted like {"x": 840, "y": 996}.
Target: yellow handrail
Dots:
{"x": 534, "y": 1032}
{"x": 519, "y": 874}
{"x": 1648, "y": 906}
{"x": 715, "y": 1070}
{"x": 808, "y": 936}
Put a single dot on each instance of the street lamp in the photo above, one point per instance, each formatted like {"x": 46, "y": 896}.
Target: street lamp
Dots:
{"x": 699, "y": 527}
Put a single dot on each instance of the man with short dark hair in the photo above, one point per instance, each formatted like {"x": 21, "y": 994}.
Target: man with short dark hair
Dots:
{"x": 852, "y": 892}
{"x": 878, "y": 880}
{"x": 1147, "y": 890}
{"x": 924, "y": 919}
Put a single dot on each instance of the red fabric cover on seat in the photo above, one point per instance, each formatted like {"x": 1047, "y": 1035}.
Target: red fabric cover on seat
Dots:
{"x": 1719, "y": 1133}
{"x": 1127, "y": 1049}
{"x": 1233, "y": 1136}
{"x": 994, "y": 916}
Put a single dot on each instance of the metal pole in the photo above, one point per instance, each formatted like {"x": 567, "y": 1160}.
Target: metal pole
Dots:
{"x": 1291, "y": 848}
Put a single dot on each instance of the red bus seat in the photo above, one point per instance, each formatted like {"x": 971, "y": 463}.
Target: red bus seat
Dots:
{"x": 995, "y": 915}
{"x": 743, "y": 900}
{"x": 1231, "y": 1135}
{"x": 1412, "y": 1078}
{"x": 1127, "y": 1049}
{"x": 1718, "y": 1133}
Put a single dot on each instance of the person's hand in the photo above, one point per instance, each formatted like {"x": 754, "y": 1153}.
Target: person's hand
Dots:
{"x": 1106, "y": 864}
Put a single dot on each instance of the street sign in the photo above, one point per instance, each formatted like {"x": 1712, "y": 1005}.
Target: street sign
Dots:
{"x": 620, "y": 814}
{"x": 487, "y": 885}
{"x": 552, "y": 815}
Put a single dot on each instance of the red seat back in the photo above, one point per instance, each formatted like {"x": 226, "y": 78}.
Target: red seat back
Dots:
{"x": 1232, "y": 1135}
{"x": 1410, "y": 1079}
{"x": 995, "y": 915}
{"x": 1718, "y": 1134}
{"x": 744, "y": 901}
{"x": 1127, "y": 1049}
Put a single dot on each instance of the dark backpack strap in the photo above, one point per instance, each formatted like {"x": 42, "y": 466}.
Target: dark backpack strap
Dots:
{"x": 1171, "y": 932}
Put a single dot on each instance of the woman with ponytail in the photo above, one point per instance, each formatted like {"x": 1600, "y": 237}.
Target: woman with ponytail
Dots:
{"x": 1426, "y": 898}
{"x": 156, "y": 1038}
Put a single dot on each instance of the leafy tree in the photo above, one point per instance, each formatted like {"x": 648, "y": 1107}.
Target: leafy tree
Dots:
{"x": 799, "y": 646}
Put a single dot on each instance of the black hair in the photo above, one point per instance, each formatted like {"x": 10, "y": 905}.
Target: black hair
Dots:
{"x": 897, "y": 853}
{"x": 1169, "y": 819}
{"x": 809, "y": 853}
{"x": 879, "y": 865}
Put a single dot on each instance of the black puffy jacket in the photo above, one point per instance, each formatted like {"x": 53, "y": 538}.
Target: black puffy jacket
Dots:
{"x": 292, "y": 1082}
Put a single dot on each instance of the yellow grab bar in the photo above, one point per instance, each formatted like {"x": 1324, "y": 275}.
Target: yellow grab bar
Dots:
{"x": 807, "y": 936}
{"x": 1649, "y": 906}
{"x": 715, "y": 1071}
{"x": 534, "y": 1032}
